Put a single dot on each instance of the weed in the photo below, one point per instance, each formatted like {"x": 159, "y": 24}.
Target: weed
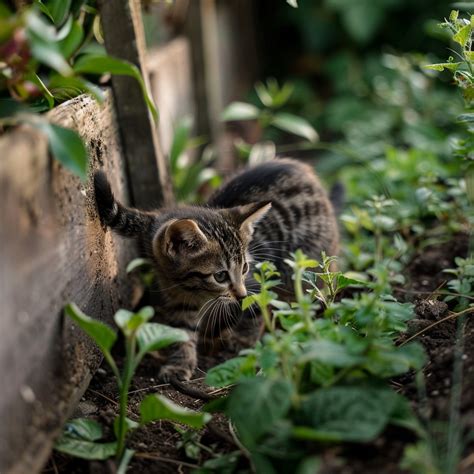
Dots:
{"x": 81, "y": 436}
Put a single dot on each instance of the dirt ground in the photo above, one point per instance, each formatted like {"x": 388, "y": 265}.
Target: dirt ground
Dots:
{"x": 157, "y": 444}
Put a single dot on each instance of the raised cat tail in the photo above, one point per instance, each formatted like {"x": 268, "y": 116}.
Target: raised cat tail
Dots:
{"x": 123, "y": 220}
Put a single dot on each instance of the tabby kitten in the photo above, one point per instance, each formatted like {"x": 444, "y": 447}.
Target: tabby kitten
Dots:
{"x": 204, "y": 254}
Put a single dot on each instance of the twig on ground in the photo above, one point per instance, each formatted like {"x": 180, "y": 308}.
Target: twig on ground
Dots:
{"x": 190, "y": 391}
{"x": 155, "y": 457}
{"x": 105, "y": 397}
{"x": 447, "y": 318}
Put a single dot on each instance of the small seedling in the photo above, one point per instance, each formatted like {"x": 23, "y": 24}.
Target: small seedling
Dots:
{"x": 81, "y": 436}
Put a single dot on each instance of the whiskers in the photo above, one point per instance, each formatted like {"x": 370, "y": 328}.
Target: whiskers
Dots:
{"x": 218, "y": 313}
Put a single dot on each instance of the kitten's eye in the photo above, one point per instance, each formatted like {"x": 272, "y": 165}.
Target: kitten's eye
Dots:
{"x": 221, "y": 277}
{"x": 245, "y": 268}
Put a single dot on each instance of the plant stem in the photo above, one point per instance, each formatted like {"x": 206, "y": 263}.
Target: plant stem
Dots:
{"x": 126, "y": 379}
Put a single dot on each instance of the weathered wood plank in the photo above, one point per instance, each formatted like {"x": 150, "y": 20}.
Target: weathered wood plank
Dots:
{"x": 170, "y": 82}
{"x": 53, "y": 251}
{"x": 147, "y": 167}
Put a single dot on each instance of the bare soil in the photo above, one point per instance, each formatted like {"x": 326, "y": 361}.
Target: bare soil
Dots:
{"x": 157, "y": 444}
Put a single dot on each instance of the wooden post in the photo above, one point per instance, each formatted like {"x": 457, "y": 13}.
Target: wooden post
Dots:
{"x": 150, "y": 186}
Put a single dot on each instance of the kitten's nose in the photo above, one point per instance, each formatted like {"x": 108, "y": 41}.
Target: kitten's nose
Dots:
{"x": 239, "y": 291}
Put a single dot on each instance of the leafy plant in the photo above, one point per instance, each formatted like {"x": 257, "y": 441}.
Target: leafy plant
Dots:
{"x": 317, "y": 379}
{"x": 47, "y": 56}
{"x": 81, "y": 436}
{"x": 272, "y": 97}
{"x": 190, "y": 175}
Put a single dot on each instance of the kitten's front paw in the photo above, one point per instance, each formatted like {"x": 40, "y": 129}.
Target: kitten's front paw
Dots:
{"x": 169, "y": 372}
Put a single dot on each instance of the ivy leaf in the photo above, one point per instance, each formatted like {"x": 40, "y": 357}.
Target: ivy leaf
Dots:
{"x": 156, "y": 407}
{"x": 296, "y": 125}
{"x": 99, "y": 332}
{"x": 240, "y": 111}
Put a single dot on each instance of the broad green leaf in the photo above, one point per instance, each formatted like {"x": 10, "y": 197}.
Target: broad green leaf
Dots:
{"x": 240, "y": 111}
{"x": 102, "y": 334}
{"x": 328, "y": 352}
{"x": 463, "y": 35}
{"x": 256, "y": 404}
{"x": 296, "y": 125}
{"x": 44, "y": 48}
{"x": 345, "y": 413}
{"x": 344, "y": 281}
{"x": 83, "y": 428}
{"x": 67, "y": 147}
{"x": 292, "y": 3}
{"x": 229, "y": 372}
{"x": 129, "y": 322}
{"x": 442, "y": 66}
{"x": 263, "y": 94}
{"x": 137, "y": 263}
{"x": 72, "y": 41}
{"x": 98, "y": 64}
{"x": 155, "y": 336}
{"x": 156, "y": 407}
{"x": 59, "y": 10}
{"x": 85, "y": 449}
{"x": 223, "y": 464}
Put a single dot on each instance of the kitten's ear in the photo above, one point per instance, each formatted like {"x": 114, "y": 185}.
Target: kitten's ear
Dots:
{"x": 247, "y": 216}
{"x": 183, "y": 236}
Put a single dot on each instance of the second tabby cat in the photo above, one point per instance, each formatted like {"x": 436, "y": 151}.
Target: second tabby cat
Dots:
{"x": 204, "y": 254}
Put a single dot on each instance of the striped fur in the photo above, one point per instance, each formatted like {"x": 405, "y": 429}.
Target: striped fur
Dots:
{"x": 263, "y": 213}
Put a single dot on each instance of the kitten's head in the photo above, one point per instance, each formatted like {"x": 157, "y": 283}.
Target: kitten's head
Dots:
{"x": 201, "y": 253}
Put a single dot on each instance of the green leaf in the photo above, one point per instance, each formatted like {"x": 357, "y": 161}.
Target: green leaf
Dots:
{"x": 66, "y": 87}
{"x": 463, "y": 35}
{"x": 156, "y": 407}
{"x": 343, "y": 281}
{"x": 357, "y": 414}
{"x": 240, "y": 111}
{"x": 292, "y": 3}
{"x": 102, "y": 335}
{"x": 98, "y": 64}
{"x": 296, "y": 125}
{"x": 85, "y": 449}
{"x": 180, "y": 141}
{"x": 256, "y": 404}
{"x": 83, "y": 428}
{"x": 442, "y": 66}
{"x": 79, "y": 439}
{"x": 328, "y": 352}
{"x": 59, "y": 9}
{"x": 155, "y": 336}
{"x": 129, "y": 322}
{"x": 66, "y": 146}
{"x": 137, "y": 263}
{"x": 72, "y": 41}
{"x": 229, "y": 372}
{"x": 129, "y": 425}
{"x": 44, "y": 47}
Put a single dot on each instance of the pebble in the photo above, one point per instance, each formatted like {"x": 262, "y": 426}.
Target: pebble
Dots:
{"x": 85, "y": 409}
